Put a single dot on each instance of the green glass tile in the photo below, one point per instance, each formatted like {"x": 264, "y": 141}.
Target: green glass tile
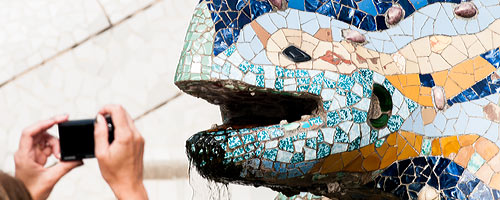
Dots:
{"x": 475, "y": 162}
{"x": 426, "y": 147}
{"x": 379, "y": 143}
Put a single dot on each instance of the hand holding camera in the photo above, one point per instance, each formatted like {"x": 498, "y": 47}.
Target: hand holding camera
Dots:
{"x": 121, "y": 162}
{"x": 114, "y": 141}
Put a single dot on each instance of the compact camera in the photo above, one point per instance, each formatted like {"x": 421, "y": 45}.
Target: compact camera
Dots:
{"x": 76, "y": 138}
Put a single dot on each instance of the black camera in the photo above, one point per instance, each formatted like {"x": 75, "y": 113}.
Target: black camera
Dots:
{"x": 76, "y": 138}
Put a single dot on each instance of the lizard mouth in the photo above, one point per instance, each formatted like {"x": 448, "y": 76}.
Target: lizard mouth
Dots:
{"x": 245, "y": 106}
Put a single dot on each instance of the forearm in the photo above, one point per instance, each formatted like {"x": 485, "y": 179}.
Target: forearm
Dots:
{"x": 126, "y": 191}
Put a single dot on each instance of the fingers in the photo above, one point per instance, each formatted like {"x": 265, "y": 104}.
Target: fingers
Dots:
{"x": 60, "y": 169}
{"x": 121, "y": 121}
{"x": 26, "y": 141}
{"x": 53, "y": 143}
{"x": 118, "y": 114}
{"x": 100, "y": 136}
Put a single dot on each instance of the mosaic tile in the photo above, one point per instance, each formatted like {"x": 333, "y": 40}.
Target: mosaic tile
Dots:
{"x": 428, "y": 126}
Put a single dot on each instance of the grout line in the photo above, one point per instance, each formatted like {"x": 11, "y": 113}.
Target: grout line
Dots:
{"x": 158, "y": 106}
{"x": 104, "y": 11}
{"x": 91, "y": 36}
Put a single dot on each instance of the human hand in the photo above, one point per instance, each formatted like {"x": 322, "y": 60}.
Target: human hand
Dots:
{"x": 35, "y": 146}
{"x": 121, "y": 162}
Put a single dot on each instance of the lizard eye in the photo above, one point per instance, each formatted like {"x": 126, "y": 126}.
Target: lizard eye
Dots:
{"x": 296, "y": 55}
{"x": 380, "y": 107}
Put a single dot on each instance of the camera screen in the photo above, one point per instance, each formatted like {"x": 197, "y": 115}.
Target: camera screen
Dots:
{"x": 76, "y": 139}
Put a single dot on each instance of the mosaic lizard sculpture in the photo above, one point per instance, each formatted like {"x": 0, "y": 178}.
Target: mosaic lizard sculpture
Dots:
{"x": 349, "y": 99}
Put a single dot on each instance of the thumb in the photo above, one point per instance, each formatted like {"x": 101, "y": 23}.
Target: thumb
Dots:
{"x": 60, "y": 169}
{"x": 100, "y": 136}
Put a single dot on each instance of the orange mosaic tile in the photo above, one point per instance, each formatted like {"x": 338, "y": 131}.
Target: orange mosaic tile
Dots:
{"x": 426, "y": 91}
{"x": 425, "y": 100}
{"x": 403, "y": 79}
{"x": 484, "y": 173}
{"x": 495, "y": 163}
{"x": 451, "y": 88}
{"x": 495, "y": 181}
{"x": 389, "y": 157}
{"x": 372, "y": 162}
{"x": 407, "y": 152}
{"x": 411, "y": 92}
{"x": 450, "y": 145}
{"x": 418, "y": 143}
{"x": 348, "y": 157}
{"x": 485, "y": 148}
{"x": 410, "y": 137}
{"x": 400, "y": 143}
{"x": 465, "y": 67}
{"x": 464, "y": 81}
{"x": 367, "y": 150}
{"x": 404, "y": 145}
{"x": 395, "y": 81}
{"x": 332, "y": 163}
{"x": 324, "y": 34}
{"x": 440, "y": 77}
{"x": 391, "y": 139}
{"x": 382, "y": 149}
{"x": 466, "y": 140}
{"x": 464, "y": 155}
{"x": 261, "y": 33}
{"x": 436, "y": 148}
{"x": 355, "y": 165}
{"x": 428, "y": 115}
{"x": 412, "y": 79}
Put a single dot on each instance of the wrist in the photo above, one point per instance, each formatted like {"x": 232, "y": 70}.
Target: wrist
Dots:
{"x": 130, "y": 191}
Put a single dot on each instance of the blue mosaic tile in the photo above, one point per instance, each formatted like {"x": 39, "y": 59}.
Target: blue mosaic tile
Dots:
{"x": 323, "y": 150}
{"x": 320, "y": 136}
{"x": 354, "y": 144}
{"x": 315, "y": 89}
{"x": 263, "y": 135}
{"x": 316, "y": 121}
{"x": 249, "y": 148}
{"x": 341, "y": 136}
{"x": 329, "y": 83}
{"x": 352, "y": 98}
{"x": 303, "y": 81}
{"x": 493, "y": 57}
{"x": 278, "y": 85}
{"x": 286, "y": 144}
{"x": 248, "y": 139}
{"x": 359, "y": 116}
{"x": 345, "y": 114}
{"x": 234, "y": 142}
{"x": 374, "y": 138}
{"x": 302, "y": 88}
{"x": 332, "y": 119}
{"x": 412, "y": 105}
{"x": 297, "y": 157}
{"x": 238, "y": 152}
{"x": 260, "y": 81}
{"x": 256, "y": 69}
{"x": 345, "y": 82}
{"x": 311, "y": 143}
{"x": 395, "y": 122}
{"x": 389, "y": 86}
{"x": 270, "y": 154}
{"x": 280, "y": 72}
{"x": 277, "y": 133}
{"x": 426, "y": 80}
{"x": 327, "y": 104}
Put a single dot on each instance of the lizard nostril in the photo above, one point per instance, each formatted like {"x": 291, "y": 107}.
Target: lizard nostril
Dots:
{"x": 296, "y": 55}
